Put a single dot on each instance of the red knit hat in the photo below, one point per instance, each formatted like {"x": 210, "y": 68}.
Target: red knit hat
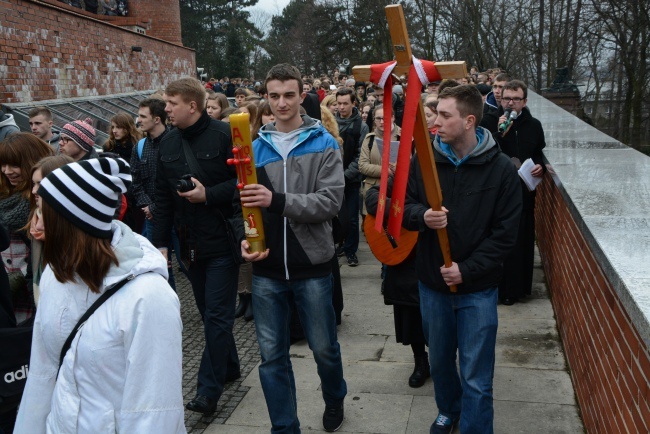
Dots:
{"x": 82, "y": 133}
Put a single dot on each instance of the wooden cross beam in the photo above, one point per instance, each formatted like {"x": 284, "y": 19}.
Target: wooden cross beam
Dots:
{"x": 402, "y": 49}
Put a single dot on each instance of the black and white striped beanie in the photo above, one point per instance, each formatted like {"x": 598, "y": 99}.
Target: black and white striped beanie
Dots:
{"x": 87, "y": 192}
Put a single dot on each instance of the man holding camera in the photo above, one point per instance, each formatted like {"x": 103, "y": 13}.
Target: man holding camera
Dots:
{"x": 194, "y": 192}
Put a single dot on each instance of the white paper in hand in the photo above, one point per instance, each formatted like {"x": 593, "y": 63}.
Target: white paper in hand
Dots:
{"x": 524, "y": 172}
{"x": 394, "y": 148}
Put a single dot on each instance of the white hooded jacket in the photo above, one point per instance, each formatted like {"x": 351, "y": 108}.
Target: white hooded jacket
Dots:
{"x": 123, "y": 372}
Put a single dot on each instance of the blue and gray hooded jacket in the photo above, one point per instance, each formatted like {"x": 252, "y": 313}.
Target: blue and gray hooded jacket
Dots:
{"x": 304, "y": 170}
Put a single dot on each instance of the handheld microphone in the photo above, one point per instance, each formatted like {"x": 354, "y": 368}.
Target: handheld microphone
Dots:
{"x": 511, "y": 115}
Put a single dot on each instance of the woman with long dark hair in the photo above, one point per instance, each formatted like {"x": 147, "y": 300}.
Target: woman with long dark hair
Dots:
{"x": 18, "y": 153}
{"x": 122, "y": 370}
{"x": 123, "y": 136}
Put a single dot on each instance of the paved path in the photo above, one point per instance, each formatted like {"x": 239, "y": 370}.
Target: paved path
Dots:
{"x": 532, "y": 388}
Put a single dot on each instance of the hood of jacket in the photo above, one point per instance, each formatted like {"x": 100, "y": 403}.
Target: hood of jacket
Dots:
{"x": 7, "y": 120}
{"x": 485, "y": 145}
{"x": 56, "y": 136}
{"x": 491, "y": 100}
{"x": 135, "y": 254}
{"x": 284, "y": 143}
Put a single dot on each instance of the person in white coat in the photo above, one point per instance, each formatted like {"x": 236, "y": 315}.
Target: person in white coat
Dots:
{"x": 122, "y": 372}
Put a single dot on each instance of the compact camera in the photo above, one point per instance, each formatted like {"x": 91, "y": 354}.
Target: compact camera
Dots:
{"x": 185, "y": 183}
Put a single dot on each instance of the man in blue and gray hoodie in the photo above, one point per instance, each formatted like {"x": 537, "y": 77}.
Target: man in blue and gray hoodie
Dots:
{"x": 300, "y": 190}
{"x": 482, "y": 195}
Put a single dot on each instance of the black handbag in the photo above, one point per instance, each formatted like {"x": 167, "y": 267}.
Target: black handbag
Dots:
{"x": 234, "y": 241}
{"x": 15, "y": 346}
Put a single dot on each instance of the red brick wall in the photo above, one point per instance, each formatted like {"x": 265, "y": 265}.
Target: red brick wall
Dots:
{"x": 164, "y": 17}
{"x": 610, "y": 363}
{"x": 50, "y": 52}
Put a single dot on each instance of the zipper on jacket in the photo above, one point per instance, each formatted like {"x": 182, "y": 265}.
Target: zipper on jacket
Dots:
{"x": 286, "y": 259}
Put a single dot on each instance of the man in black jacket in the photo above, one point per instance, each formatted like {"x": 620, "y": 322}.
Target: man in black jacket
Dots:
{"x": 523, "y": 139}
{"x": 198, "y": 215}
{"x": 352, "y": 130}
{"x": 481, "y": 193}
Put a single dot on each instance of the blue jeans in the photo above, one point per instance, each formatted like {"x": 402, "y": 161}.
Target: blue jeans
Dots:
{"x": 214, "y": 282}
{"x": 467, "y": 322}
{"x": 351, "y": 203}
{"x": 313, "y": 298}
{"x": 147, "y": 232}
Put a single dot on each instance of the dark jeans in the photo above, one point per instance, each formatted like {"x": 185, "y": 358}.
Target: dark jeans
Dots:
{"x": 313, "y": 300}
{"x": 463, "y": 324}
{"x": 214, "y": 282}
{"x": 351, "y": 203}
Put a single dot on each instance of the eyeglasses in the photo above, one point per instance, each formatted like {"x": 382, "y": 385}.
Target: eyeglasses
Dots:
{"x": 516, "y": 99}
{"x": 380, "y": 119}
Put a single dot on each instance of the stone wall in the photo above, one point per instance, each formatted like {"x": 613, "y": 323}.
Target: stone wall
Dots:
{"x": 51, "y": 51}
{"x": 592, "y": 232}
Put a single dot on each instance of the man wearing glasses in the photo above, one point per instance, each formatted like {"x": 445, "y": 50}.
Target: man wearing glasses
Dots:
{"x": 78, "y": 140}
{"x": 522, "y": 139}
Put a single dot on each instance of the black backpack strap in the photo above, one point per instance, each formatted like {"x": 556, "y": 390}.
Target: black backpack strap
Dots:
{"x": 371, "y": 142}
{"x": 105, "y": 296}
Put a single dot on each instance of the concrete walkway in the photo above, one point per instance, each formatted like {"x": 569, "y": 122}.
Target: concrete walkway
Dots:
{"x": 532, "y": 388}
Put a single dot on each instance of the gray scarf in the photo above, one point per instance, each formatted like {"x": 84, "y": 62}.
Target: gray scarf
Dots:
{"x": 14, "y": 212}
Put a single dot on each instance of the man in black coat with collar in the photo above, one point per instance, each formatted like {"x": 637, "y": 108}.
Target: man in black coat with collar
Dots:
{"x": 522, "y": 139}
{"x": 198, "y": 213}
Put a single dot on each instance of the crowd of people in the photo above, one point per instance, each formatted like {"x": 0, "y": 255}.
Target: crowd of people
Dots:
{"x": 104, "y": 7}
{"x": 83, "y": 222}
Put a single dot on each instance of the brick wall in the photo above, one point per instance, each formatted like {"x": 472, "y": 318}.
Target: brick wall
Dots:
{"x": 51, "y": 52}
{"x": 163, "y": 17}
{"x": 610, "y": 364}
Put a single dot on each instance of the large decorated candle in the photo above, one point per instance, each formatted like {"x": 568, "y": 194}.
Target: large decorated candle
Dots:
{"x": 244, "y": 162}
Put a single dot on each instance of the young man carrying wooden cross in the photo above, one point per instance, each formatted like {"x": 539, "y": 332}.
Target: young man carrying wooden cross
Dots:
{"x": 482, "y": 197}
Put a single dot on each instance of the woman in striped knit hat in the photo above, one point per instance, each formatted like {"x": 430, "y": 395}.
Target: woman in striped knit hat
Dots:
{"x": 120, "y": 372}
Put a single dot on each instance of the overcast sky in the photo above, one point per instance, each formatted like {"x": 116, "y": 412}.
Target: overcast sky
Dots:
{"x": 274, "y": 7}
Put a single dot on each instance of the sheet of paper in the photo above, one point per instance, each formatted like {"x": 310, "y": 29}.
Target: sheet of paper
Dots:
{"x": 394, "y": 148}
{"x": 524, "y": 172}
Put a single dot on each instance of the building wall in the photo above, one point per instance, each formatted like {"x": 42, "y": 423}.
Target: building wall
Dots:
{"x": 163, "y": 16}
{"x": 51, "y": 52}
{"x": 609, "y": 361}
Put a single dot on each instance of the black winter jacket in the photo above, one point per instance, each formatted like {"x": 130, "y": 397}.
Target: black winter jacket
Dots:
{"x": 211, "y": 144}
{"x": 483, "y": 197}
{"x": 524, "y": 140}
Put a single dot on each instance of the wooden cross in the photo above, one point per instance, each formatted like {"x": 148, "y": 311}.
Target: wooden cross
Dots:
{"x": 402, "y": 49}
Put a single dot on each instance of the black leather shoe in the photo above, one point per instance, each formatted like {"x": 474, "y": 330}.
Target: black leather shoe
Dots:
{"x": 420, "y": 372}
{"x": 248, "y": 314}
{"x": 508, "y": 301}
{"x": 233, "y": 376}
{"x": 202, "y": 404}
{"x": 244, "y": 300}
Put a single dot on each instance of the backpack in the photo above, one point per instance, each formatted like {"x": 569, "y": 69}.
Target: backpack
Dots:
{"x": 141, "y": 147}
